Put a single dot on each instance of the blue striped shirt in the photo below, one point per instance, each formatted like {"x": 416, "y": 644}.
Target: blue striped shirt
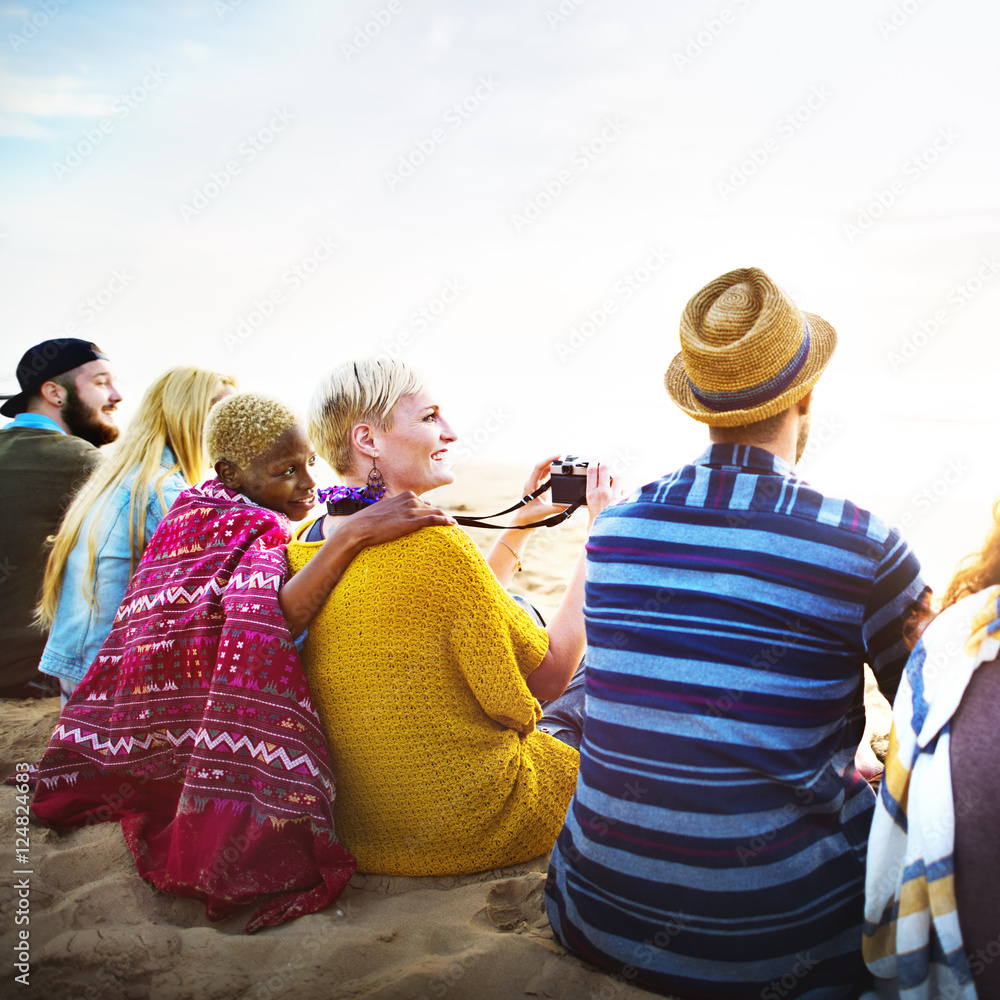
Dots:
{"x": 715, "y": 844}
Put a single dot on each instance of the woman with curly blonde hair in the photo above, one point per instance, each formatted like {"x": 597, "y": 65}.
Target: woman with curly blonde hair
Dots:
{"x": 933, "y": 876}
{"x": 110, "y": 521}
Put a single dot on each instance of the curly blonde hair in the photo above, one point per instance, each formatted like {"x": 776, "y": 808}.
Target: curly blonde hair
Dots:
{"x": 245, "y": 426}
{"x": 357, "y": 392}
{"x": 978, "y": 570}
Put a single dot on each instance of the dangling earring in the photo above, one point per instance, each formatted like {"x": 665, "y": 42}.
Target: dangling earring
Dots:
{"x": 376, "y": 484}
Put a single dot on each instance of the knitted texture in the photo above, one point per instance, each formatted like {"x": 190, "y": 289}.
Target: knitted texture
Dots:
{"x": 417, "y": 664}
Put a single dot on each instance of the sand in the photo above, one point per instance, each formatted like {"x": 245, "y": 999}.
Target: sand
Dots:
{"x": 97, "y": 930}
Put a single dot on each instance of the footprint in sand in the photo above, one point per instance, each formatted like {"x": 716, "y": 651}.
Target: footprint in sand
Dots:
{"x": 517, "y": 904}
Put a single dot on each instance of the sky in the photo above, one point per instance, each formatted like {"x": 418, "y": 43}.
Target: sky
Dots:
{"x": 519, "y": 199}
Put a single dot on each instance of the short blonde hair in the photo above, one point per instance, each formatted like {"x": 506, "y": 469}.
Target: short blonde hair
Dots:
{"x": 357, "y": 392}
{"x": 244, "y": 427}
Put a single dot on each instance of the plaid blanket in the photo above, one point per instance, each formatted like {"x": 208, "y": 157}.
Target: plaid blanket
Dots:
{"x": 194, "y": 726}
{"x": 912, "y": 938}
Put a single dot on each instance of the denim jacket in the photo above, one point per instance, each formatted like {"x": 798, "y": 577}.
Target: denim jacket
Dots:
{"x": 79, "y": 629}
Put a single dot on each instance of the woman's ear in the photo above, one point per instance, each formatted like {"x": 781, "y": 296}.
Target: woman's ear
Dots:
{"x": 363, "y": 440}
{"x": 229, "y": 474}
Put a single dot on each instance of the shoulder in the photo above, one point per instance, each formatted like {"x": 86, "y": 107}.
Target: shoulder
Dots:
{"x": 440, "y": 545}
{"x": 68, "y": 446}
{"x": 81, "y": 455}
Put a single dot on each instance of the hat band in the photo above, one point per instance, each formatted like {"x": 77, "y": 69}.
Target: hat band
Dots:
{"x": 744, "y": 399}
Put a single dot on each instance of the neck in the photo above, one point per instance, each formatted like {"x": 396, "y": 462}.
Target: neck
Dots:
{"x": 783, "y": 443}
{"x": 44, "y": 409}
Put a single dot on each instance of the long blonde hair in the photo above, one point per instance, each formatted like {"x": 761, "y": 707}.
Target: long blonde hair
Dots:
{"x": 172, "y": 413}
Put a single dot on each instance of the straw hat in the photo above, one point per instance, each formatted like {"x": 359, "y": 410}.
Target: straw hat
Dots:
{"x": 747, "y": 351}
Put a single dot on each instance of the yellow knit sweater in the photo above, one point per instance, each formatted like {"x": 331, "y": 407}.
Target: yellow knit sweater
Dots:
{"x": 417, "y": 663}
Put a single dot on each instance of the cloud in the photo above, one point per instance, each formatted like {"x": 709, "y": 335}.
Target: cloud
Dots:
{"x": 62, "y": 96}
{"x": 17, "y": 128}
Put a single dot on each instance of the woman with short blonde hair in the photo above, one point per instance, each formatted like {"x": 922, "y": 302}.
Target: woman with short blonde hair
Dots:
{"x": 357, "y": 392}
{"x": 426, "y": 674}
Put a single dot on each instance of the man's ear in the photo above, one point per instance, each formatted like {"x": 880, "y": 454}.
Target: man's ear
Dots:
{"x": 805, "y": 403}
{"x": 53, "y": 393}
{"x": 229, "y": 474}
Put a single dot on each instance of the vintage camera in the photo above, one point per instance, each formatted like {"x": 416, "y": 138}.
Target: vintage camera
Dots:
{"x": 569, "y": 479}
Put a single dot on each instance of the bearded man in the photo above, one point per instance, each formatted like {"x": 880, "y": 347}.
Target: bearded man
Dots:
{"x": 716, "y": 842}
{"x": 62, "y": 415}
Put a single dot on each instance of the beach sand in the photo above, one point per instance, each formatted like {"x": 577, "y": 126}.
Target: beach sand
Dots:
{"x": 97, "y": 930}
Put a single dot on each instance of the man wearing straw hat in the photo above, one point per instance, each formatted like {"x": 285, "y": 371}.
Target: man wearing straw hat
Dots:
{"x": 715, "y": 846}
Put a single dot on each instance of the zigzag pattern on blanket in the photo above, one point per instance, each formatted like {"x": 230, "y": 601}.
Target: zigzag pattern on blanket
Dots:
{"x": 194, "y": 725}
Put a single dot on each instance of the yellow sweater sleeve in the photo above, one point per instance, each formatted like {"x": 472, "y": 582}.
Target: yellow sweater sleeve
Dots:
{"x": 493, "y": 641}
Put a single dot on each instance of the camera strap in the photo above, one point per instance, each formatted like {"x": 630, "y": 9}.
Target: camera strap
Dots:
{"x": 548, "y": 522}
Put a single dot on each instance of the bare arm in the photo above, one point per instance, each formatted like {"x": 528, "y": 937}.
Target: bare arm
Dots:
{"x": 509, "y": 548}
{"x": 303, "y": 595}
{"x": 567, "y": 637}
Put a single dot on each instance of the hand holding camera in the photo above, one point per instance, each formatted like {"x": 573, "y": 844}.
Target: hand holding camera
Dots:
{"x": 573, "y": 479}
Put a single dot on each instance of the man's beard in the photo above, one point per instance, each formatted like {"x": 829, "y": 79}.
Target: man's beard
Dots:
{"x": 800, "y": 444}
{"x": 83, "y": 421}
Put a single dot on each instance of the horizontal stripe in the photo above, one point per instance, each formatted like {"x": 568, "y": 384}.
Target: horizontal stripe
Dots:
{"x": 730, "y": 609}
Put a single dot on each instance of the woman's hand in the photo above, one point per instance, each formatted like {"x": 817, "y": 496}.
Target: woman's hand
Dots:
{"x": 391, "y": 517}
{"x": 601, "y": 491}
{"x": 541, "y": 507}
{"x": 303, "y": 595}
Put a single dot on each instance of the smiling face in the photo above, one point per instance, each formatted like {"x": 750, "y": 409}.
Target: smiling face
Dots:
{"x": 279, "y": 480}
{"x": 90, "y": 403}
{"x": 413, "y": 455}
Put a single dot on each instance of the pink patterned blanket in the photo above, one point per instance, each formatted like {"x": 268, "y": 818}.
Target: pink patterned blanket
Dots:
{"x": 194, "y": 727}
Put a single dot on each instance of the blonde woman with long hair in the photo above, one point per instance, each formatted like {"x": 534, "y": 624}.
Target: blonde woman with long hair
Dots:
{"x": 112, "y": 518}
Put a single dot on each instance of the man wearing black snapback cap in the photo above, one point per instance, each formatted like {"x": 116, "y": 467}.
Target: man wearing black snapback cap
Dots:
{"x": 62, "y": 415}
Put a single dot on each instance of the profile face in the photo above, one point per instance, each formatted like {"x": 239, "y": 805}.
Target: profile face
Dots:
{"x": 281, "y": 479}
{"x": 91, "y": 402}
{"x": 414, "y": 454}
